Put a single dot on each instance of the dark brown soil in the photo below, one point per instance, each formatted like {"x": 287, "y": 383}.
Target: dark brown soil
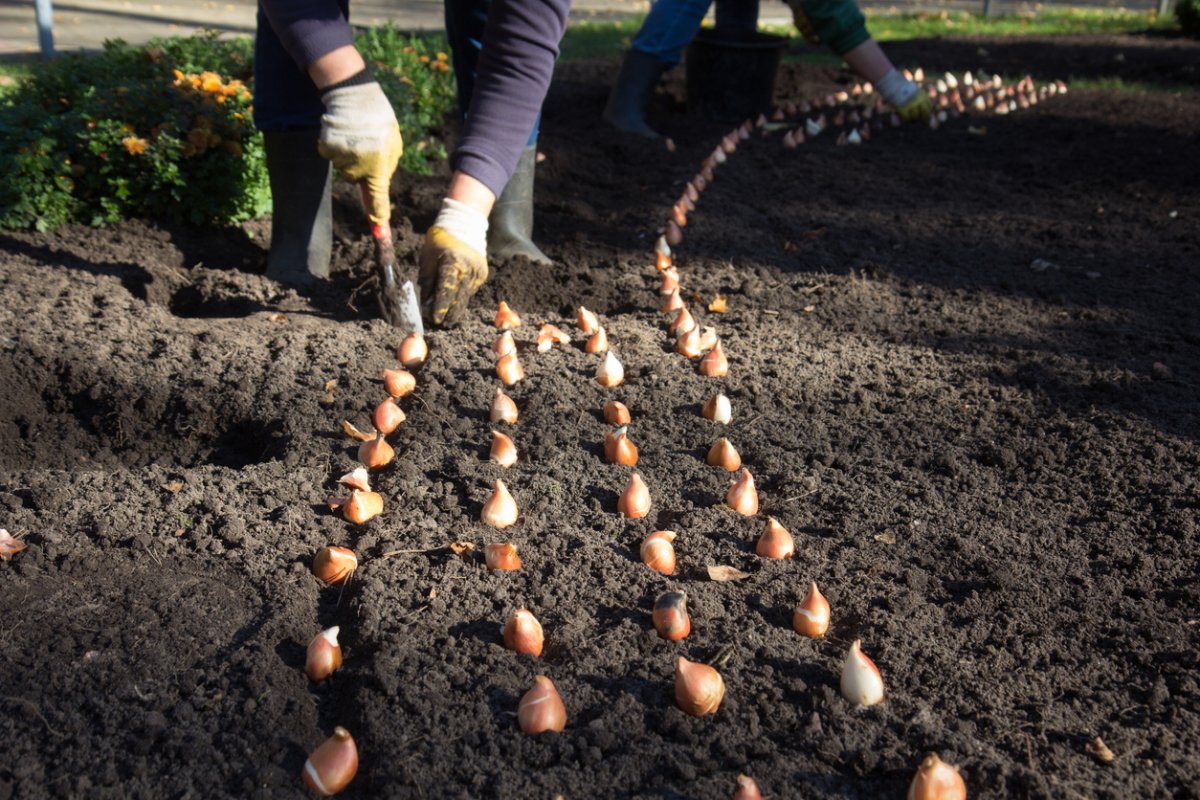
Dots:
{"x": 991, "y": 470}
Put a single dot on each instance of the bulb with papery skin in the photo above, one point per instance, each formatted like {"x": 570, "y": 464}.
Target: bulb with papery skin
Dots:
{"x": 674, "y": 234}
{"x": 597, "y": 342}
{"x": 500, "y": 510}
{"x": 742, "y": 497}
{"x": 615, "y": 413}
{"x": 503, "y": 408}
{"x": 670, "y": 616}
{"x": 502, "y": 557}
{"x": 376, "y": 453}
{"x": 330, "y": 768}
{"x": 937, "y": 780}
{"x": 634, "y": 502}
{"x": 550, "y": 335}
{"x": 670, "y": 281}
{"x": 672, "y": 303}
{"x": 811, "y": 617}
{"x": 775, "y": 542}
{"x": 662, "y": 252}
{"x": 587, "y": 321}
{"x": 399, "y": 382}
{"x": 747, "y": 789}
{"x": 523, "y": 633}
{"x": 717, "y": 409}
{"x": 610, "y": 373}
{"x": 362, "y": 506}
{"x": 541, "y": 709}
{"x": 503, "y": 451}
{"x": 658, "y": 552}
{"x": 357, "y": 479}
{"x": 506, "y": 318}
{"x": 715, "y": 364}
{"x": 688, "y": 344}
{"x": 708, "y": 338}
{"x": 334, "y": 564}
{"x": 723, "y": 454}
{"x": 619, "y": 449}
{"x": 388, "y": 416}
{"x": 861, "y": 682}
{"x": 324, "y": 655}
{"x": 504, "y": 344}
{"x": 698, "y": 688}
{"x": 413, "y": 350}
{"x": 509, "y": 368}
{"x": 682, "y": 323}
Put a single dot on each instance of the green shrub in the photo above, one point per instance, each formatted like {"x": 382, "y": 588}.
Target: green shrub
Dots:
{"x": 1188, "y": 14}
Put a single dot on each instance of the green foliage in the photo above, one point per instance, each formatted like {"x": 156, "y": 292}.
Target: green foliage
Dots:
{"x": 1188, "y": 14}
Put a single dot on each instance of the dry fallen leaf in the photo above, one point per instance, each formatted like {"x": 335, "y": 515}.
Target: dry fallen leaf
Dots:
{"x": 331, "y": 384}
{"x": 724, "y": 573}
{"x": 809, "y": 309}
{"x": 173, "y": 487}
{"x": 462, "y": 549}
{"x": 718, "y": 305}
{"x": 355, "y": 433}
{"x": 9, "y": 546}
{"x": 886, "y": 538}
{"x": 1100, "y": 751}
{"x": 278, "y": 317}
{"x": 433, "y": 593}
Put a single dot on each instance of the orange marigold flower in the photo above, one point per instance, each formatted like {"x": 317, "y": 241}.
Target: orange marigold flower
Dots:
{"x": 134, "y": 145}
{"x": 423, "y": 59}
{"x": 178, "y": 75}
{"x": 441, "y": 56}
{"x": 210, "y": 82}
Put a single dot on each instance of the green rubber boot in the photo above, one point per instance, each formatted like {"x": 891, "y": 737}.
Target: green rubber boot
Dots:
{"x": 301, "y": 207}
{"x": 510, "y": 225}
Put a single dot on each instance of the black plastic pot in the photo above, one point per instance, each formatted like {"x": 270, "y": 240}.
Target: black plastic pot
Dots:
{"x": 731, "y": 73}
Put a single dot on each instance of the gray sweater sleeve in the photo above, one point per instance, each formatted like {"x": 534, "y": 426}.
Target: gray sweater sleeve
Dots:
{"x": 308, "y": 29}
{"x": 520, "y": 44}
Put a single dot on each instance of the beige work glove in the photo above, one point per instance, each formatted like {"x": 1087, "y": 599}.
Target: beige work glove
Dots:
{"x": 360, "y": 135}
{"x": 453, "y": 262}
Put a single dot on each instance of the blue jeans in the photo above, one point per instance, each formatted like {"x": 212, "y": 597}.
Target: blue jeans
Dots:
{"x": 672, "y": 24}
{"x": 465, "y": 21}
{"x": 285, "y": 98}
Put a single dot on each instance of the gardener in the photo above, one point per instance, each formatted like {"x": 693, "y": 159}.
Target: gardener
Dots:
{"x": 671, "y": 24}
{"x": 316, "y": 95}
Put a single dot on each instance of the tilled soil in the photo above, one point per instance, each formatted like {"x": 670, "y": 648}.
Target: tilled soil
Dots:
{"x": 964, "y": 373}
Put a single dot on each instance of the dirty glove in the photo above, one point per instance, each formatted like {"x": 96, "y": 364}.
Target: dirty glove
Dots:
{"x": 909, "y": 100}
{"x": 359, "y": 134}
{"x": 453, "y": 264}
{"x": 802, "y": 22}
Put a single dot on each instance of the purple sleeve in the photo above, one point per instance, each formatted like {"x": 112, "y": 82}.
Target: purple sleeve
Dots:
{"x": 308, "y": 29}
{"x": 520, "y": 44}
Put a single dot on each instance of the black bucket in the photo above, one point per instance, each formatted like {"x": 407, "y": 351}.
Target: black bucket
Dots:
{"x": 731, "y": 73}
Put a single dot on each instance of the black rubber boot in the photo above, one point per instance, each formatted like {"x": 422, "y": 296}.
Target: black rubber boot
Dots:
{"x": 301, "y": 207}
{"x": 510, "y": 226}
{"x": 626, "y": 109}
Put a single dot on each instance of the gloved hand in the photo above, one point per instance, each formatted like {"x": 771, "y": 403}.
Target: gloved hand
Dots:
{"x": 918, "y": 109}
{"x": 360, "y": 135}
{"x": 452, "y": 264}
{"x": 802, "y": 22}
{"x": 909, "y": 99}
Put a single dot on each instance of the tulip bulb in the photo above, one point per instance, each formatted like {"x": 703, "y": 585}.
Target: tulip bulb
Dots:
{"x": 634, "y": 502}
{"x": 658, "y": 553}
{"x": 588, "y": 323}
{"x": 610, "y": 373}
{"x": 502, "y": 557}
{"x": 399, "y": 382}
{"x": 523, "y": 633}
{"x": 376, "y": 453}
{"x": 619, "y": 449}
{"x": 356, "y": 479}
{"x": 717, "y": 409}
{"x": 500, "y": 510}
{"x": 503, "y": 408}
{"x": 672, "y": 303}
{"x": 742, "y": 497}
{"x": 330, "y": 768}
{"x": 682, "y": 323}
{"x": 708, "y": 339}
{"x": 747, "y": 789}
{"x": 541, "y": 708}
{"x": 506, "y": 318}
{"x": 811, "y": 617}
{"x": 775, "y": 541}
{"x": 334, "y": 564}
{"x": 698, "y": 687}
{"x": 550, "y": 335}
{"x": 670, "y": 281}
{"x": 937, "y": 780}
{"x": 413, "y": 350}
{"x": 679, "y": 215}
{"x": 503, "y": 452}
{"x": 674, "y": 233}
{"x": 597, "y": 342}
{"x": 722, "y": 454}
{"x": 388, "y": 416}
{"x": 363, "y": 506}
{"x": 670, "y": 616}
{"x": 324, "y": 655}
{"x": 615, "y": 413}
{"x": 688, "y": 344}
{"x": 662, "y": 253}
{"x": 861, "y": 682}
{"x": 509, "y": 368}
{"x": 504, "y": 344}
{"x": 715, "y": 365}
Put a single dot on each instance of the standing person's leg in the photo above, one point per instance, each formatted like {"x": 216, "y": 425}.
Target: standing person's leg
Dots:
{"x": 510, "y": 225}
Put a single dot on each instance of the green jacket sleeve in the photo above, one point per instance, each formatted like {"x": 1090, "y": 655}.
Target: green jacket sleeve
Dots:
{"x": 837, "y": 23}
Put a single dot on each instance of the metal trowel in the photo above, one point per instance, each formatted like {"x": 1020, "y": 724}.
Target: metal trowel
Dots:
{"x": 397, "y": 301}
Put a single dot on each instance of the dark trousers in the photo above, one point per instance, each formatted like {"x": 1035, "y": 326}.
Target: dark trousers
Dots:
{"x": 285, "y": 98}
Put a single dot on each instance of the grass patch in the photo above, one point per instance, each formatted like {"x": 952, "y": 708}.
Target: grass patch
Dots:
{"x": 599, "y": 39}
{"x": 1116, "y": 84}
{"x": 886, "y": 26}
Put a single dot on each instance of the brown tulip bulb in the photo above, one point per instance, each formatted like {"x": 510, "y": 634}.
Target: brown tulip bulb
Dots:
{"x": 509, "y": 368}
{"x": 670, "y": 281}
{"x": 399, "y": 382}
{"x": 717, "y": 409}
{"x": 506, "y": 318}
{"x": 619, "y": 449}
{"x": 503, "y": 452}
{"x": 742, "y": 497}
{"x": 672, "y": 303}
{"x": 357, "y": 478}
{"x": 634, "y": 502}
{"x": 388, "y": 416}
{"x": 500, "y": 510}
{"x": 679, "y": 215}
{"x": 723, "y": 454}
{"x": 698, "y": 687}
{"x": 682, "y": 323}
{"x": 658, "y": 552}
{"x": 597, "y": 342}
{"x": 324, "y": 656}
{"x": 504, "y": 344}
{"x": 811, "y": 617}
{"x": 503, "y": 408}
{"x": 550, "y": 335}
{"x": 413, "y": 350}
{"x": 670, "y": 616}
{"x": 937, "y": 780}
{"x": 747, "y": 789}
{"x": 588, "y": 323}
{"x": 376, "y": 453}
{"x": 688, "y": 344}
{"x": 708, "y": 338}
{"x": 541, "y": 708}
{"x": 775, "y": 541}
{"x": 330, "y": 768}
{"x": 523, "y": 633}
{"x": 334, "y": 564}
{"x": 615, "y": 413}
{"x": 363, "y": 506}
{"x": 715, "y": 364}
{"x": 502, "y": 557}
{"x": 674, "y": 234}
